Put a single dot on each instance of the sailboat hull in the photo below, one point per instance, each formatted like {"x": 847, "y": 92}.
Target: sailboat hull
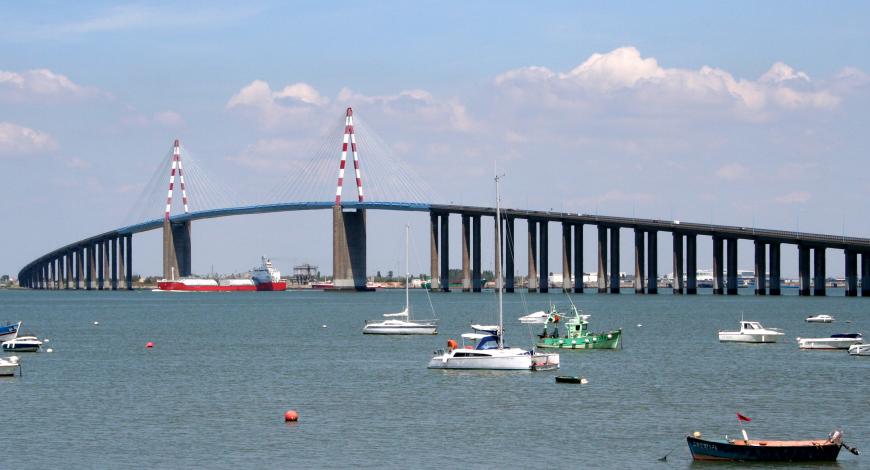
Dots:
{"x": 379, "y": 329}
{"x": 495, "y": 359}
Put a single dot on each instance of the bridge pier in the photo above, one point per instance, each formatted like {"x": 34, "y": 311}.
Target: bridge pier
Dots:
{"x": 510, "y": 282}
{"x": 732, "y": 267}
{"x": 80, "y": 266}
{"x": 445, "y": 252}
{"x": 691, "y": 264}
{"x": 652, "y": 262}
{"x": 349, "y": 249}
{"x": 466, "y": 254}
{"x": 639, "y": 265}
{"x": 578, "y": 258}
{"x": 678, "y": 263}
{"x": 760, "y": 268}
{"x": 819, "y": 271}
{"x": 566, "y": 257}
{"x": 68, "y": 272}
{"x": 544, "y": 257}
{"x": 718, "y": 266}
{"x": 775, "y": 276}
{"x": 176, "y": 249}
{"x": 533, "y": 255}
{"x": 851, "y": 273}
{"x": 804, "y": 269}
{"x": 114, "y": 275}
{"x": 476, "y": 284}
{"x": 614, "y": 260}
{"x": 865, "y": 274}
{"x": 50, "y": 266}
{"x": 434, "y": 255}
{"x": 101, "y": 273}
{"x": 602, "y": 278}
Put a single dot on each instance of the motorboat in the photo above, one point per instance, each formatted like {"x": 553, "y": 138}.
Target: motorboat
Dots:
{"x": 859, "y": 349}
{"x": 758, "y": 450}
{"x": 577, "y": 334}
{"x": 570, "y": 379}
{"x": 535, "y": 318}
{"x": 490, "y": 351}
{"x": 821, "y": 318}
{"x": 401, "y": 323}
{"x": 22, "y": 344}
{"x": 838, "y": 341}
{"x": 9, "y": 331}
{"x": 8, "y": 366}
{"x": 751, "y": 332}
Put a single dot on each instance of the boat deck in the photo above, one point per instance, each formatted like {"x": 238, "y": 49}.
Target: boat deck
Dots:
{"x": 753, "y": 442}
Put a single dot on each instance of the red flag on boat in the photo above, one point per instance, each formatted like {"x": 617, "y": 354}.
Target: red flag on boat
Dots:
{"x": 740, "y": 417}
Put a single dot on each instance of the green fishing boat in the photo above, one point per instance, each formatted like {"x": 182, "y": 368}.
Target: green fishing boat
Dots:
{"x": 577, "y": 334}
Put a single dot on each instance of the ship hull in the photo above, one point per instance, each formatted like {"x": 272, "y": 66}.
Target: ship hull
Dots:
{"x": 712, "y": 450}
{"x": 610, "y": 340}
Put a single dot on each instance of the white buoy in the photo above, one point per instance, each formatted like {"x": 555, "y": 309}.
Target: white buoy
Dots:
{"x": 96, "y": 323}
{"x": 323, "y": 326}
{"x": 46, "y": 340}
{"x": 49, "y": 350}
{"x": 639, "y": 325}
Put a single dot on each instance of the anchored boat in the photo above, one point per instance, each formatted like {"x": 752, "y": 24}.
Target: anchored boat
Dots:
{"x": 751, "y": 332}
{"x": 838, "y": 341}
{"x": 9, "y": 331}
{"x": 263, "y": 278}
{"x": 755, "y": 450}
{"x": 577, "y": 335}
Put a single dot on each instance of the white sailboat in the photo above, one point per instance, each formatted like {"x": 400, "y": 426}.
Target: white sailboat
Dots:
{"x": 401, "y": 323}
{"x": 490, "y": 352}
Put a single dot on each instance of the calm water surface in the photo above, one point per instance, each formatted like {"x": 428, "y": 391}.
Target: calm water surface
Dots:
{"x": 226, "y": 366}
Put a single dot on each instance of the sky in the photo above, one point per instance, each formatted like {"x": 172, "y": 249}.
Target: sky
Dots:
{"x": 744, "y": 113}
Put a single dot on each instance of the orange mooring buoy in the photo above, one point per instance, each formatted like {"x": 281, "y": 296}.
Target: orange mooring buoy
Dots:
{"x": 149, "y": 344}
{"x": 291, "y": 416}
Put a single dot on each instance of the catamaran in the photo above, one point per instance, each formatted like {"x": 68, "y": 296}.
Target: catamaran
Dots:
{"x": 401, "y": 323}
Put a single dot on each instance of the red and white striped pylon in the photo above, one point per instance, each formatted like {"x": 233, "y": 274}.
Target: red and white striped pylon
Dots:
{"x": 349, "y": 135}
{"x": 176, "y": 164}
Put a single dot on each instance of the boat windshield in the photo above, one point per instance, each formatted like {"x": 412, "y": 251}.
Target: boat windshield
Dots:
{"x": 488, "y": 342}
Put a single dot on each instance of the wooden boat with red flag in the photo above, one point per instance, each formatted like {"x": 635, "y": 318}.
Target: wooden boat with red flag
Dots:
{"x": 762, "y": 450}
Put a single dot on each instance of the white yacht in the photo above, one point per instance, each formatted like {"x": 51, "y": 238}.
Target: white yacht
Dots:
{"x": 535, "y": 318}
{"x": 859, "y": 349}
{"x": 490, "y": 352}
{"x": 8, "y": 365}
{"x": 838, "y": 341}
{"x": 821, "y": 318}
{"x": 401, "y": 323}
{"x": 22, "y": 344}
{"x": 751, "y": 332}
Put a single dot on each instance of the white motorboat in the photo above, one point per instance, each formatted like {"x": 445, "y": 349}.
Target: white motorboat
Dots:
{"x": 751, "y": 332}
{"x": 859, "y": 349}
{"x": 838, "y": 341}
{"x": 8, "y": 365}
{"x": 22, "y": 344}
{"x": 490, "y": 352}
{"x": 535, "y": 318}
{"x": 401, "y": 323}
{"x": 9, "y": 331}
{"x": 821, "y": 318}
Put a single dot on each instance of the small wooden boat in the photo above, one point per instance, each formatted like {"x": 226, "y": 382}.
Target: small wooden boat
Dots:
{"x": 570, "y": 379}
{"x": 754, "y": 450}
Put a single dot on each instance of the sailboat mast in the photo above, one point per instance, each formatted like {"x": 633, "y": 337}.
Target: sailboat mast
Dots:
{"x": 407, "y": 273}
{"x": 498, "y": 262}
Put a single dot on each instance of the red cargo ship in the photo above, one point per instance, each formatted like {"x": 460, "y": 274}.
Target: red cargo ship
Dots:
{"x": 263, "y": 278}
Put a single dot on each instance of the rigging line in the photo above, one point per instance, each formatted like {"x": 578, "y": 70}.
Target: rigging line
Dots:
{"x": 148, "y": 196}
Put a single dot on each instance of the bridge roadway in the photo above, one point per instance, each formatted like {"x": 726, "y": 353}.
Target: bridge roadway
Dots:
{"x": 104, "y": 256}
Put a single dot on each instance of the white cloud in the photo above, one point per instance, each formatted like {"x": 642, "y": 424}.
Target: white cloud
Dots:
{"x": 794, "y": 197}
{"x": 168, "y": 118}
{"x": 271, "y": 154}
{"x": 622, "y": 78}
{"x": 275, "y": 107}
{"x": 39, "y": 82}
{"x": 17, "y": 140}
{"x": 732, "y": 171}
{"x": 416, "y": 107}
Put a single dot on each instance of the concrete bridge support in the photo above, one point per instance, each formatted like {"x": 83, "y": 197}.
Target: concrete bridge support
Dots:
{"x": 91, "y": 273}
{"x": 544, "y": 257}
{"x": 509, "y": 270}
{"x": 176, "y": 249}
{"x": 101, "y": 273}
{"x": 434, "y": 255}
{"x": 614, "y": 260}
{"x": 819, "y": 271}
{"x": 691, "y": 264}
{"x": 113, "y": 276}
{"x": 80, "y": 266}
{"x": 732, "y": 267}
{"x": 678, "y": 263}
{"x": 533, "y": 255}
{"x": 349, "y": 249}
{"x": 578, "y": 258}
{"x": 466, "y": 253}
{"x": 851, "y": 273}
{"x": 603, "y": 280}
{"x": 639, "y": 262}
{"x": 760, "y": 268}
{"x": 566, "y": 257}
{"x": 50, "y": 266}
{"x": 719, "y": 263}
{"x": 804, "y": 269}
{"x": 445, "y": 252}
{"x": 652, "y": 262}
{"x": 476, "y": 280}
{"x": 865, "y": 274}
{"x": 775, "y": 276}
{"x": 128, "y": 257}
{"x": 68, "y": 277}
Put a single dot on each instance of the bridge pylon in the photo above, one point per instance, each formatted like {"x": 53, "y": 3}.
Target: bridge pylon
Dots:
{"x": 176, "y": 235}
{"x": 349, "y": 225}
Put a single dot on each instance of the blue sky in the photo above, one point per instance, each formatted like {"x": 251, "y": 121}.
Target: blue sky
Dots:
{"x": 750, "y": 113}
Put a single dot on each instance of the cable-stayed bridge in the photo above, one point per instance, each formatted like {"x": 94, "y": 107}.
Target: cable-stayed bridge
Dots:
{"x": 105, "y": 260}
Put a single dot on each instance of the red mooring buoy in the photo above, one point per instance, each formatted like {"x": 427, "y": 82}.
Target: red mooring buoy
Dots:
{"x": 291, "y": 416}
{"x": 149, "y": 344}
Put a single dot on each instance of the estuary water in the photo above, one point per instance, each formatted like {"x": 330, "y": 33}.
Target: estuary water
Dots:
{"x": 225, "y": 367}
